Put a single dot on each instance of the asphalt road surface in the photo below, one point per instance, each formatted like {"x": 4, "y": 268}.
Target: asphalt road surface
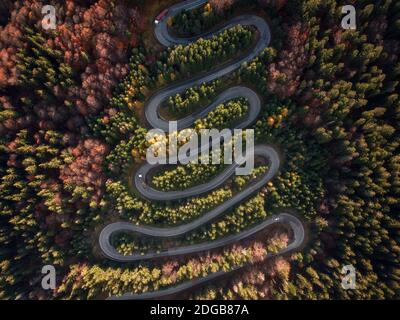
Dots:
{"x": 285, "y": 218}
{"x": 155, "y": 120}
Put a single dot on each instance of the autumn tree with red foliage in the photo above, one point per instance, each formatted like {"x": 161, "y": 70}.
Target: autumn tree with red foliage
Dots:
{"x": 284, "y": 74}
{"x": 86, "y": 168}
{"x": 278, "y": 4}
{"x": 221, "y": 5}
{"x": 50, "y": 81}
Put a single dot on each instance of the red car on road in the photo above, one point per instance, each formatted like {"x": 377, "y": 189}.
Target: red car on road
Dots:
{"x": 161, "y": 16}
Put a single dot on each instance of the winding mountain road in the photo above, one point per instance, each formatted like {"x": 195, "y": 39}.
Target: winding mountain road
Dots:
{"x": 284, "y": 218}
{"x": 154, "y": 118}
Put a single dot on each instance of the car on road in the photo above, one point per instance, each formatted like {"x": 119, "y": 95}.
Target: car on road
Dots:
{"x": 161, "y": 16}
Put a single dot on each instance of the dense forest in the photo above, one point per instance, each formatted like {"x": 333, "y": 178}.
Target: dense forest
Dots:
{"x": 72, "y": 131}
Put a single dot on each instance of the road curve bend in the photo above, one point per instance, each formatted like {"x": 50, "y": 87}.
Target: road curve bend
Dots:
{"x": 284, "y": 218}
{"x": 155, "y": 120}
